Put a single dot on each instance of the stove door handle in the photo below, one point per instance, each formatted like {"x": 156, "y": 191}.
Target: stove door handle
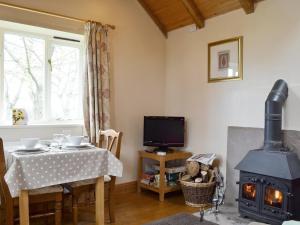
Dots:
{"x": 288, "y": 215}
{"x": 273, "y": 211}
{"x": 290, "y": 195}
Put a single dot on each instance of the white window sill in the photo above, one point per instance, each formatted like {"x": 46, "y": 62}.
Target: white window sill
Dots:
{"x": 30, "y": 126}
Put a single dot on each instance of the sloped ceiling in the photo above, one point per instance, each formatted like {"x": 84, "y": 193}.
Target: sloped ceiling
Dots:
{"x": 172, "y": 14}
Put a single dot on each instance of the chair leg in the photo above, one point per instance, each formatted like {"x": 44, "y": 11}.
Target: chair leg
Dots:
{"x": 9, "y": 213}
{"x": 111, "y": 206}
{"x": 1, "y": 215}
{"x": 58, "y": 211}
{"x": 46, "y": 209}
{"x": 75, "y": 209}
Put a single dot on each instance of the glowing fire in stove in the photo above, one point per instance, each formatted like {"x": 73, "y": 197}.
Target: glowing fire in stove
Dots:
{"x": 249, "y": 191}
{"x": 273, "y": 197}
{"x": 277, "y": 194}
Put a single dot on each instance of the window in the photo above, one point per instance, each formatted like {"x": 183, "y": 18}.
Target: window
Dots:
{"x": 65, "y": 82}
{"x": 42, "y": 74}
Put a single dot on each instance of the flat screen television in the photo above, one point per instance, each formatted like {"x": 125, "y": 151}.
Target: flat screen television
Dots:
{"x": 164, "y": 132}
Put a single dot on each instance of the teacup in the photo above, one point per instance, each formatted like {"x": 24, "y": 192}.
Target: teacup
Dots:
{"x": 29, "y": 142}
{"x": 74, "y": 140}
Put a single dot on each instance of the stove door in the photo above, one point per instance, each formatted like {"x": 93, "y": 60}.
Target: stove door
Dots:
{"x": 249, "y": 192}
{"x": 274, "y": 201}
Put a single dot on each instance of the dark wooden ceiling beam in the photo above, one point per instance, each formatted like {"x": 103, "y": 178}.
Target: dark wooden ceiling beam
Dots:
{"x": 195, "y": 13}
{"x": 154, "y": 17}
{"x": 247, "y": 5}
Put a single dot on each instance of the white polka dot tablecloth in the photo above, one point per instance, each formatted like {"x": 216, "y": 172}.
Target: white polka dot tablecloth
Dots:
{"x": 28, "y": 172}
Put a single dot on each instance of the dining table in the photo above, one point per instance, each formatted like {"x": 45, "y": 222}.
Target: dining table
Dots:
{"x": 57, "y": 165}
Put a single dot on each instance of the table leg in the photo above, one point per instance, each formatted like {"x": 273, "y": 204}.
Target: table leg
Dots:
{"x": 100, "y": 201}
{"x": 24, "y": 207}
{"x": 162, "y": 180}
{"x": 140, "y": 173}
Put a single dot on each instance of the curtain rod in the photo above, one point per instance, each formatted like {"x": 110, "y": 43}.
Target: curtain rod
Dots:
{"x": 48, "y": 13}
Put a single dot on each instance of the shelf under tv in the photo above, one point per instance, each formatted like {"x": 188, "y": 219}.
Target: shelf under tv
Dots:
{"x": 162, "y": 159}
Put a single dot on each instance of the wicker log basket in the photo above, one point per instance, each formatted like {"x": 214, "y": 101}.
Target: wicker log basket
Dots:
{"x": 199, "y": 194}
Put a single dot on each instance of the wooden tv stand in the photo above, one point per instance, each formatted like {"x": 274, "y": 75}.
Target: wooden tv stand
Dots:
{"x": 162, "y": 189}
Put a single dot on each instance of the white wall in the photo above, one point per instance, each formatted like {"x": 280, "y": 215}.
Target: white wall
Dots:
{"x": 271, "y": 51}
{"x": 138, "y": 60}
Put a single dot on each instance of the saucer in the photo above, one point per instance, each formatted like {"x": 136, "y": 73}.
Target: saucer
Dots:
{"x": 82, "y": 145}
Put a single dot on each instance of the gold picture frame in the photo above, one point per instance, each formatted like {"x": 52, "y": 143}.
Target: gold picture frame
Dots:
{"x": 225, "y": 60}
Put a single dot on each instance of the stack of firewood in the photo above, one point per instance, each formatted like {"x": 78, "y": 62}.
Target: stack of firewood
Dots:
{"x": 199, "y": 184}
{"x": 199, "y": 173}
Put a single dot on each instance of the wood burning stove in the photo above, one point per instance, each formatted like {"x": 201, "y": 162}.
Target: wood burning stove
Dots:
{"x": 268, "y": 199}
{"x": 269, "y": 186}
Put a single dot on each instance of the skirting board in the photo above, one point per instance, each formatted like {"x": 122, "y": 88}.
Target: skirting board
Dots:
{"x": 126, "y": 188}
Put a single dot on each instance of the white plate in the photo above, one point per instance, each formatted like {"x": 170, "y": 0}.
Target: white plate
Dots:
{"x": 37, "y": 148}
{"x": 83, "y": 145}
{"x": 29, "y": 152}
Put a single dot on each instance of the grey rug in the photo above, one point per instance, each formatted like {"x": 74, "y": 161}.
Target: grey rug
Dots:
{"x": 228, "y": 215}
{"x": 181, "y": 219}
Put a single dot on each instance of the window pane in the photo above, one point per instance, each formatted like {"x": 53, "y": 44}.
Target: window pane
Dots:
{"x": 24, "y": 75}
{"x": 66, "y": 100}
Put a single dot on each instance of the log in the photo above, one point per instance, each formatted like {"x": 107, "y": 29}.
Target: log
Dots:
{"x": 198, "y": 180}
{"x": 204, "y": 176}
{"x": 193, "y": 168}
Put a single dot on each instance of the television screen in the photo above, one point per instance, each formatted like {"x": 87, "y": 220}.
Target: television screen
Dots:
{"x": 162, "y": 131}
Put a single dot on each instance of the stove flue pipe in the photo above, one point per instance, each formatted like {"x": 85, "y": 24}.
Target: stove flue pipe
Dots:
{"x": 273, "y": 116}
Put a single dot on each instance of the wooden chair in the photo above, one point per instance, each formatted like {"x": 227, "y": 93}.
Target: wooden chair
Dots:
{"x": 110, "y": 140}
{"x": 37, "y": 196}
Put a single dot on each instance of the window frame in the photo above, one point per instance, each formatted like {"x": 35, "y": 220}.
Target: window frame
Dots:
{"x": 49, "y": 42}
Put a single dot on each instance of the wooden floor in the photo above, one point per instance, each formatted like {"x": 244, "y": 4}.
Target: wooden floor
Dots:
{"x": 137, "y": 209}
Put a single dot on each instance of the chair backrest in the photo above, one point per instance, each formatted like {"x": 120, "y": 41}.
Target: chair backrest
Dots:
{"x": 4, "y": 191}
{"x": 110, "y": 140}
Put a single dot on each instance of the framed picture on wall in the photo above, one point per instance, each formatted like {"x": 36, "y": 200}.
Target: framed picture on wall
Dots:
{"x": 225, "y": 60}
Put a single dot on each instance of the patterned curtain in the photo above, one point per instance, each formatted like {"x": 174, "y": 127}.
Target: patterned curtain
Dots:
{"x": 96, "y": 80}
